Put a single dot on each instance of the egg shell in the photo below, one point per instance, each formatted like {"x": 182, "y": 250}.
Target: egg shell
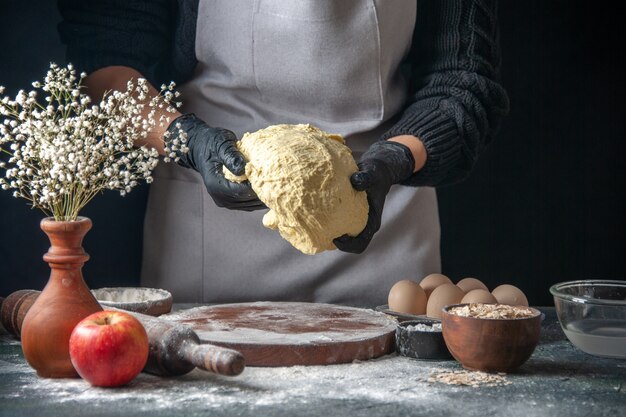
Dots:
{"x": 510, "y": 294}
{"x": 469, "y": 284}
{"x": 432, "y": 281}
{"x": 407, "y": 296}
{"x": 479, "y": 296}
{"x": 442, "y": 296}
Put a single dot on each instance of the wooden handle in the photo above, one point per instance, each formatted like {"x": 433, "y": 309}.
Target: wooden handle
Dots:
{"x": 213, "y": 358}
{"x": 176, "y": 349}
{"x": 14, "y": 308}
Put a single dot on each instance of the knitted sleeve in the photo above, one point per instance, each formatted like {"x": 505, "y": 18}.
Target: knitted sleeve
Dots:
{"x": 142, "y": 34}
{"x": 457, "y": 103}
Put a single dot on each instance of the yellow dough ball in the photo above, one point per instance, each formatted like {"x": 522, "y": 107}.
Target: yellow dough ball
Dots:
{"x": 302, "y": 174}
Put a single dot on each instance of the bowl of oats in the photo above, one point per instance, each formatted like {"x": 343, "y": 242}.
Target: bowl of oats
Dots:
{"x": 490, "y": 337}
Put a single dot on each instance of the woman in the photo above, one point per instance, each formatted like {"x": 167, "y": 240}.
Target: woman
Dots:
{"x": 412, "y": 86}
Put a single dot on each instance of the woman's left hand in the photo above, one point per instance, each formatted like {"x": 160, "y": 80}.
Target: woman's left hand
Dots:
{"x": 384, "y": 164}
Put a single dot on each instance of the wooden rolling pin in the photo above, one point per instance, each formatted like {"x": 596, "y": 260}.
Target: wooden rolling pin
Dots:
{"x": 175, "y": 349}
{"x": 14, "y": 308}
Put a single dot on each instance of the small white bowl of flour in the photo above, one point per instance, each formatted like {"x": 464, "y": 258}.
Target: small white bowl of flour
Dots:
{"x": 151, "y": 301}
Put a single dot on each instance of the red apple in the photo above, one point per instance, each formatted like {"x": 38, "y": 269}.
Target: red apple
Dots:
{"x": 109, "y": 348}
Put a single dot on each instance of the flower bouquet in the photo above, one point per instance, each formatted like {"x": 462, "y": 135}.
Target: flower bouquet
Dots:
{"x": 65, "y": 151}
{"x": 58, "y": 151}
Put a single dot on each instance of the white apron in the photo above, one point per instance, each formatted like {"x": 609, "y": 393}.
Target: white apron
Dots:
{"x": 333, "y": 64}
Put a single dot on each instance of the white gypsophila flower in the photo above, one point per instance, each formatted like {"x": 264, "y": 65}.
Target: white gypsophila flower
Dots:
{"x": 60, "y": 150}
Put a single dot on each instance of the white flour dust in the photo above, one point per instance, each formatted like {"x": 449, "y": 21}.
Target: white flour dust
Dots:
{"x": 421, "y": 327}
{"x": 120, "y": 295}
{"x": 369, "y": 380}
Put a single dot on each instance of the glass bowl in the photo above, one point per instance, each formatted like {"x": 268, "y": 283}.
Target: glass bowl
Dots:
{"x": 592, "y": 314}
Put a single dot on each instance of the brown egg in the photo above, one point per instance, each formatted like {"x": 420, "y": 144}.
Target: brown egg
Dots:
{"x": 511, "y": 295}
{"x": 432, "y": 281}
{"x": 442, "y": 296}
{"x": 407, "y": 296}
{"x": 479, "y": 296}
{"x": 469, "y": 284}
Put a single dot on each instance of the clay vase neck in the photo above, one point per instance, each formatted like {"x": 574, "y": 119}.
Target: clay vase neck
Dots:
{"x": 64, "y": 301}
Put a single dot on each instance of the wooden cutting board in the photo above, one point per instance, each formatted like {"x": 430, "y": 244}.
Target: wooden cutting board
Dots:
{"x": 285, "y": 334}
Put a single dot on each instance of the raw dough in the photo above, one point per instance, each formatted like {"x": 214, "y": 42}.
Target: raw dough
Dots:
{"x": 303, "y": 175}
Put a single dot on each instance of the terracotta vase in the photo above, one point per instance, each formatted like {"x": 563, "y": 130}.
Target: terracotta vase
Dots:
{"x": 64, "y": 301}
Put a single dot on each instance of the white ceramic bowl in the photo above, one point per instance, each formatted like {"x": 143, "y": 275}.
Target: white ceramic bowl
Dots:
{"x": 151, "y": 301}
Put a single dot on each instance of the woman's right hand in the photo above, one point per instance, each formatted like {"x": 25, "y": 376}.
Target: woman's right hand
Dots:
{"x": 209, "y": 149}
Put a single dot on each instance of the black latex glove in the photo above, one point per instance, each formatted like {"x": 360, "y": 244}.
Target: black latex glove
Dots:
{"x": 385, "y": 163}
{"x": 209, "y": 149}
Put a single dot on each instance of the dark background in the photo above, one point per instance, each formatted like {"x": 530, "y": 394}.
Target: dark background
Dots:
{"x": 544, "y": 204}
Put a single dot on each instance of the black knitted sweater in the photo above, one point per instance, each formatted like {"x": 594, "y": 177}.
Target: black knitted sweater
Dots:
{"x": 456, "y": 102}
